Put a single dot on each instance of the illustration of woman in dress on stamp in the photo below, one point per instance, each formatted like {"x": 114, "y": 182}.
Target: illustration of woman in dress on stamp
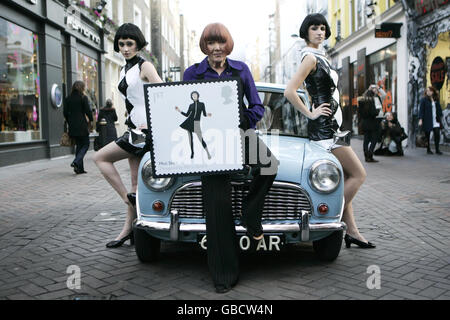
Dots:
{"x": 192, "y": 123}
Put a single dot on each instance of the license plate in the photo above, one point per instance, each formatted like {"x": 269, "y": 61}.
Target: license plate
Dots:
{"x": 270, "y": 242}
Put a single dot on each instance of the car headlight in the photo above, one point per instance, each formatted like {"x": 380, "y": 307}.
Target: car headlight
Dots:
{"x": 324, "y": 176}
{"x": 155, "y": 184}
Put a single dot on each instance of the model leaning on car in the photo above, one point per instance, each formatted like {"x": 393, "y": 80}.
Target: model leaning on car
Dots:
{"x": 325, "y": 116}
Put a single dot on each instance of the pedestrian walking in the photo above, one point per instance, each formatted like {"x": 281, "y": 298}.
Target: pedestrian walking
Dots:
{"x": 129, "y": 40}
{"x": 78, "y": 115}
{"x": 222, "y": 249}
{"x": 430, "y": 117}
{"x": 325, "y": 116}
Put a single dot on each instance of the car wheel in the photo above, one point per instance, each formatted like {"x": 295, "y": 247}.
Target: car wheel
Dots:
{"x": 328, "y": 248}
{"x": 147, "y": 247}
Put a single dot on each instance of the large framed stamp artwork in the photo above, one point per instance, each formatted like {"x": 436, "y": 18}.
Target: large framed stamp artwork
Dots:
{"x": 193, "y": 127}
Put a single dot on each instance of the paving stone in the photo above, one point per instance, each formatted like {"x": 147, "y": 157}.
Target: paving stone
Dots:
{"x": 44, "y": 229}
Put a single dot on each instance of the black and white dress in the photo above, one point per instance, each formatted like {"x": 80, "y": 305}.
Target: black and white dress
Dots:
{"x": 131, "y": 87}
{"x": 322, "y": 87}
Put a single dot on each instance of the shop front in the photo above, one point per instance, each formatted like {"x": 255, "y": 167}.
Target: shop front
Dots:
{"x": 369, "y": 56}
{"x": 44, "y": 48}
{"x": 429, "y": 57}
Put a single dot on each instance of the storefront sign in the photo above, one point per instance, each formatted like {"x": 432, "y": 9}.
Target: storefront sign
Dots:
{"x": 56, "y": 96}
{"x": 425, "y": 6}
{"x": 388, "y": 30}
{"x": 437, "y": 73}
{"x": 77, "y": 25}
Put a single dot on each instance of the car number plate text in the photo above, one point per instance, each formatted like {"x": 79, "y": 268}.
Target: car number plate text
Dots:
{"x": 270, "y": 242}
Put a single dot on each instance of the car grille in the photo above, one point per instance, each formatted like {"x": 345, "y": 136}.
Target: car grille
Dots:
{"x": 284, "y": 201}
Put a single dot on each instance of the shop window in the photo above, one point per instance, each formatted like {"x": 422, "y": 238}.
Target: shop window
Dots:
{"x": 87, "y": 71}
{"x": 383, "y": 72}
{"x": 19, "y": 84}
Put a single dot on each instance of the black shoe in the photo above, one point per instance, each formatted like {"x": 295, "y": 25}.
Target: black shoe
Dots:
{"x": 221, "y": 288}
{"x": 256, "y": 236}
{"x": 132, "y": 198}
{"x": 439, "y": 152}
{"x": 118, "y": 243}
{"x": 79, "y": 171}
{"x": 365, "y": 245}
{"x": 371, "y": 160}
{"x": 429, "y": 152}
{"x": 73, "y": 165}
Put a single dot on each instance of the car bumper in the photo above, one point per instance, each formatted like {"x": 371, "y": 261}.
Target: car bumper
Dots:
{"x": 174, "y": 227}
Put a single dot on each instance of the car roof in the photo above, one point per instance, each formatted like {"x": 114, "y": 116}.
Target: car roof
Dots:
{"x": 277, "y": 86}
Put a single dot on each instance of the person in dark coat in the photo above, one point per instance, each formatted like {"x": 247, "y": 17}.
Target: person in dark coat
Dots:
{"x": 192, "y": 123}
{"x": 76, "y": 112}
{"x": 430, "y": 117}
{"x": 368, "y": 113}
{"x": 109, "y": 114}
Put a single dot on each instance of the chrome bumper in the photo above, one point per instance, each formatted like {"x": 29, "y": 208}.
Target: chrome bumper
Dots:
{"x": 175, "y": 226}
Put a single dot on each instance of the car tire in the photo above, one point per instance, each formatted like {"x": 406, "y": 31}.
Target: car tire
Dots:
{"x": 147, "y": 247}
{"x": 328, "y": 248}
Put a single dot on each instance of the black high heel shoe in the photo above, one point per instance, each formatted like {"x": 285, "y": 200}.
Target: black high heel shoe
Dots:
{"x": 365, "y": 245}
{"x": 118, "y": 243}
{"x": 132, "y": 198}
{"x": 254, "y": 236}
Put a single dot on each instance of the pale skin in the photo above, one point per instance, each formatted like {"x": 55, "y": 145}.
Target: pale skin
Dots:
{"x": 354, "y": 172}
{"x": 105, "y": 157}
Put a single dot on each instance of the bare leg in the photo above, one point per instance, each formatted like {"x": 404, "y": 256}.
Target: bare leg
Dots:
{"x": 104, "y": 159}
{"x": 355, "y": 174}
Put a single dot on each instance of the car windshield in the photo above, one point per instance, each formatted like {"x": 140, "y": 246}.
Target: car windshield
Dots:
{"x": 280, "y": 115}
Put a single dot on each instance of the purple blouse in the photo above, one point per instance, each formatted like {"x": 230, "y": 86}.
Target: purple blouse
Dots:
{"x": 255, "y": 110}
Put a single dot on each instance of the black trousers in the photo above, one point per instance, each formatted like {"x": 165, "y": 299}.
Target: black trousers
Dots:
{"x": 82, "y": 146}
{"x": 437, "y": 138}
{"x": 370, "y": 138}
{"x": 222, "y": 243}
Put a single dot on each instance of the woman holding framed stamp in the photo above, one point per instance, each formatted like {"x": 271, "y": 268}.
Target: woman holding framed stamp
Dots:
{"x": 223, "y": 251}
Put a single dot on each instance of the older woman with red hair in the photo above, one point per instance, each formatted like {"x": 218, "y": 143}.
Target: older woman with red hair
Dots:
{"x": 223, "y": 251}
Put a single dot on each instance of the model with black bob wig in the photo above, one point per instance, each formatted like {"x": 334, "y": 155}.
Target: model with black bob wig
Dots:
{"x": 129, "y": 31}
{"x": 314, "y": 19}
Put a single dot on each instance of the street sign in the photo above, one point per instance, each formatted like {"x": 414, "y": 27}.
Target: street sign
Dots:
{"x": 388, "y": 30}
{"x": 175, "y": 69}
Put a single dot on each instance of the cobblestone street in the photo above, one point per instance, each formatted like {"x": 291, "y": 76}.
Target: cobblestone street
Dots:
{"x": 51, "y": 219}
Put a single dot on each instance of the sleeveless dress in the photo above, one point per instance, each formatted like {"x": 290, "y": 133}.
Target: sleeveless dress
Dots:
{"x": 321, "y": 85}
{"x": 131, "y": 88}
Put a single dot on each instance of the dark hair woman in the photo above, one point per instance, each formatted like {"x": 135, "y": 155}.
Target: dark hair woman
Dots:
{"x": 325, "y": 116}
{"x": 223, "y": 253}
{"x": 192, "y": 123}
{"x": 430, "y": 117}
{"x": 370, "y": 108}
{"x": 128, "y": 40}
{"x": 76, "y": 109}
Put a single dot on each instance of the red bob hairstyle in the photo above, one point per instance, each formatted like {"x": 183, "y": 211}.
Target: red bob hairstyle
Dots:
{"x": 216, "y": 32}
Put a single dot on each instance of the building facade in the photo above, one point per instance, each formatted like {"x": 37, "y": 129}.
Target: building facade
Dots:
{"x": 46, "y": 46}
{"x": 166, "y": 38}
{"x": 365, "y": 52}
{"x": 429, "y": 58}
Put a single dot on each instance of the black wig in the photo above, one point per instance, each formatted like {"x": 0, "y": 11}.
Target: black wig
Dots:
{"x": 314, "y": 19}
{"x": 129, "y": 31}
{"x": 198, "y": 95}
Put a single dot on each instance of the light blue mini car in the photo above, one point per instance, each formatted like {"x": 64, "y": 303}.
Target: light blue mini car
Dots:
{"x": 305, "y": 203}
